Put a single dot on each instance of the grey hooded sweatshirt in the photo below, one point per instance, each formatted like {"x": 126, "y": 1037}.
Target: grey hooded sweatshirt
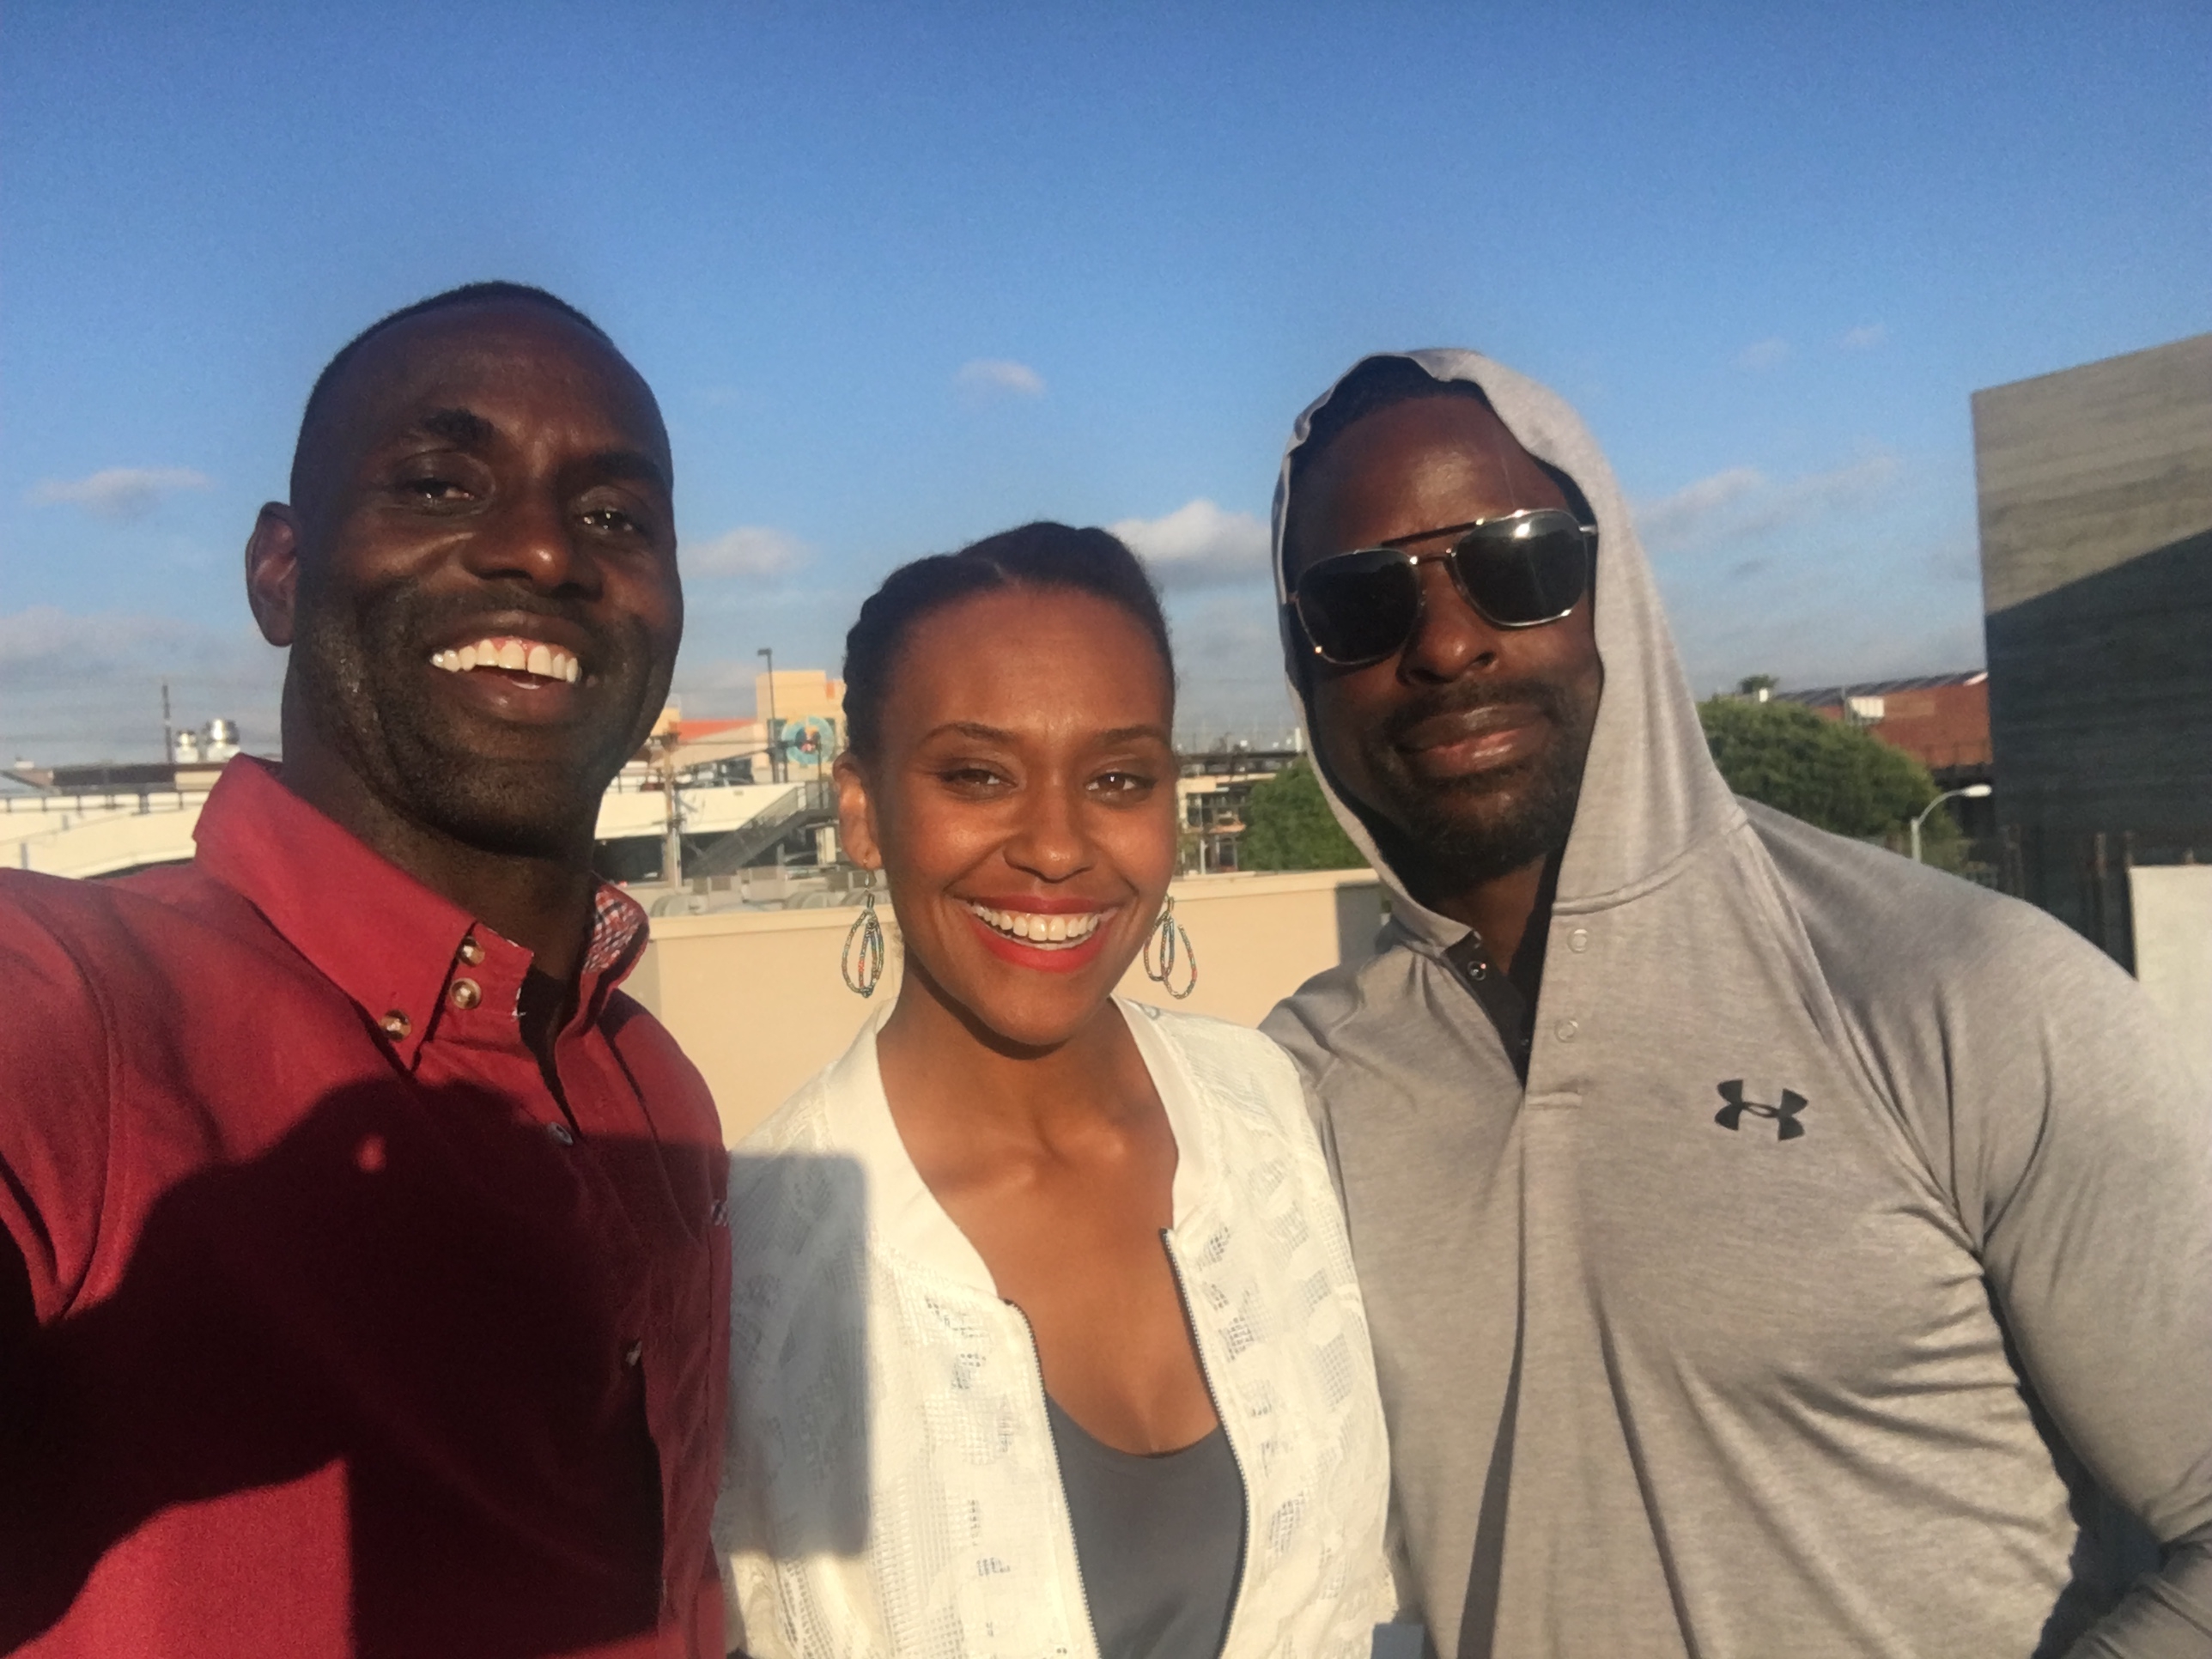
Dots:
{"x": 1905, "y": 1356}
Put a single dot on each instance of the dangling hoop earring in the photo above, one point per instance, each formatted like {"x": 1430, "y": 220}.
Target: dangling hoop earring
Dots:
{"x": 861, "y": 961}
{"x": 1173, "y": 939}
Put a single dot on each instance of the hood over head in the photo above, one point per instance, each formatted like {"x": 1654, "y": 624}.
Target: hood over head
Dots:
{"x": 1649, "y": 789}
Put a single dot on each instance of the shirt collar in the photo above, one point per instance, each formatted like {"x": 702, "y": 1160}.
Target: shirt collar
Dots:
{"x": 1431, "y": 927}
{"x": 387, "y": 941}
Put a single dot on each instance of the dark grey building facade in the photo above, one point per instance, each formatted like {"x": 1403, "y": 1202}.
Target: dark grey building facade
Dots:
{"x": 2095, "y": 488}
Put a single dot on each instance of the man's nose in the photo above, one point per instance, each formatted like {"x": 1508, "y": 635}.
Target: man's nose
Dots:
{"x": 1451, "y": 638}
{"x": 532, "y": 537}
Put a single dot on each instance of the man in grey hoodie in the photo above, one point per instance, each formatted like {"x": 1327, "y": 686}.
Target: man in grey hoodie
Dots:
{"x": 1773, "y": 1247}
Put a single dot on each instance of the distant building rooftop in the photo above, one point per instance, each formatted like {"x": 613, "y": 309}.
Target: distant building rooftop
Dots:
{"x": 1827, "y": 696}
{"x": 1942, "y": 720}
{"x": 116, "y": 777}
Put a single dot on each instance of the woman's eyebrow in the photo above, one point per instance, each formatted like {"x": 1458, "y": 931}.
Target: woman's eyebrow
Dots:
{"x": 974, "y": 729}
{"x": 981, "y": 733}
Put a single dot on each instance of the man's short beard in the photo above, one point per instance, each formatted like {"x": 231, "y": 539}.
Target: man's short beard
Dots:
{"x": 1424, "y": 828}
{"x": 351, "y": 667}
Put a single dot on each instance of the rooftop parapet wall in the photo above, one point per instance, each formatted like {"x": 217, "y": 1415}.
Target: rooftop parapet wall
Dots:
{"x": 756, "y": 998}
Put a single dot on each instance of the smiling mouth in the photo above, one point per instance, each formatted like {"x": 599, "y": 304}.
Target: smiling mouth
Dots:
{"x": 1038, "y": 931}
{"x": 509, "y": 654}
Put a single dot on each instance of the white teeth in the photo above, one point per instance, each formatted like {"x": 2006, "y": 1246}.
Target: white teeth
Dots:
{"x": 546, "y": 662}
{"x": 1040, "y": 929}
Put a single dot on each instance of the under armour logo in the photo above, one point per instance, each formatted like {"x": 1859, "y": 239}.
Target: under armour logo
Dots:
{"x": 1786, "y": 1126}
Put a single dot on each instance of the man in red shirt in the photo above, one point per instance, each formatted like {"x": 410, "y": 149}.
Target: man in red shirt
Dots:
{"x": 363, "y": 1262}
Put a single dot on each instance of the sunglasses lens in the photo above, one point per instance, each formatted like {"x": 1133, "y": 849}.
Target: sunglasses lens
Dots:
{"x": 1520, "y": 572}
{"x": 1359, "y": 607}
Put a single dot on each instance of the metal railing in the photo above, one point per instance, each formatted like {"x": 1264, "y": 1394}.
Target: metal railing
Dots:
{"x": 107, "y": 800}
{"x": 806, "y": 806}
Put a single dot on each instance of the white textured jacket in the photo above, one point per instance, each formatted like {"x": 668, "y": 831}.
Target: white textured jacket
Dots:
{"x": 890, "y": 1486}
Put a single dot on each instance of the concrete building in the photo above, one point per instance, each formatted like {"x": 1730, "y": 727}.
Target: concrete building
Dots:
{"x": 2095, "y": 488}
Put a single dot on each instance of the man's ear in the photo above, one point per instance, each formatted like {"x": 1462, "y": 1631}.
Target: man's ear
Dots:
{"x": 856, "y": 813}
{"x": 272, "y": 571}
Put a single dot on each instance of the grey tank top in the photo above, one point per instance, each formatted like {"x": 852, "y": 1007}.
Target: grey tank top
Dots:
{"x": 1159, "y": 1540}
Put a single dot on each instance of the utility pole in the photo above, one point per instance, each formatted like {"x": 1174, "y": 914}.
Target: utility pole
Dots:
{"x": 671, "y": 845}
{"x": 168, "y": 732}
{"x": 774, "y": 734}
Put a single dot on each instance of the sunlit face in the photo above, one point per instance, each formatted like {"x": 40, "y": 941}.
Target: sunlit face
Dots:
{"x": 1463, "y": 752}
{"x": 1022, "y": 803}
{"x": 483, "y": 608}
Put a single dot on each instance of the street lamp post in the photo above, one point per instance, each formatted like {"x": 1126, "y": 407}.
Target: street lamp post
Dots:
{"x": 775, "y": 744}
{"x": 1972, "y": 792}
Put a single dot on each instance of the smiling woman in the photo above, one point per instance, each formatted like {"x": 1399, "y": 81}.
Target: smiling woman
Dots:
{"x": 1110, "y": 1317}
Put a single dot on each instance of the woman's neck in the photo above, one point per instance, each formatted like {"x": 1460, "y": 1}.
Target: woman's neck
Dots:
{"x": 940, "y": 1064}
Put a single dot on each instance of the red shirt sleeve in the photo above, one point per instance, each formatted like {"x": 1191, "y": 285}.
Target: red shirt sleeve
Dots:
{"x": 54, "y": 1115}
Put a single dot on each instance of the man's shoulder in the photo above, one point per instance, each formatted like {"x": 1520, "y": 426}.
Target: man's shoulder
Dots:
{"x": 1354, "y": 1006}
{"x": 165, "y": 934}
{"x": 1966, "y": 1010}
{"x": 58, "y": 933}
{"x": 1886, "y": 929}
{"x": 60, "y": 904}
{"x": 145, "y": 904}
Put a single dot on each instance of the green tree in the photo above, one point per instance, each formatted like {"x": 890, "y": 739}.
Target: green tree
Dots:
{"x": 1830, "y": 772}
{"x": 1288, "y": 826}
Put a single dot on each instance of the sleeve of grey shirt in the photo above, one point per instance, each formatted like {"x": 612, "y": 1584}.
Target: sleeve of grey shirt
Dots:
{"x": 2078, "y": 1147}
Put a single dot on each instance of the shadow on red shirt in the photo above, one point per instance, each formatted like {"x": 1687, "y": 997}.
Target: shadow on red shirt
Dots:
{"x": 418, "y": 1382}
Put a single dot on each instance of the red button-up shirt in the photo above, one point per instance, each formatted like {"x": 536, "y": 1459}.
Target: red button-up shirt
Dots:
{"x": 336, "y": 1330}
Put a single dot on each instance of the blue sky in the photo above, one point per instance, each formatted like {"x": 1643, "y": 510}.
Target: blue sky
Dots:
{"x": 902, "y": 276}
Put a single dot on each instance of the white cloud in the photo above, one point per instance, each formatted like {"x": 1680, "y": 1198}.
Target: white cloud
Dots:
{"x": 985, "y": 377}
{"x": 750, "y": 550}
{"x": 1230, "y": 658}
{"x": 86, "y": 687}
{"x": 1742, "y": 501}
{"x": 1198, "y": 544}
{"x": 1763, "y": 355}
{"x": 1673, "y": 518}
{"x": 120, "y": 492}
{"x": 43, "y": 636}
{"x": 1864, "y": 338}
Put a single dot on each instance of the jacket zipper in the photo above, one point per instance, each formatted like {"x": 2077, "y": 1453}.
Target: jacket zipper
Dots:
{"x": 1213, "y": 1395}
{"x": 1060, "y": 1477}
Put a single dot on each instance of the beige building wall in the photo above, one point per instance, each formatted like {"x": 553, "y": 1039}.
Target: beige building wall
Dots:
{"x": 800, "y": 693}
{"x": 756, "y": 1000}
{"x": 2171, "y": 907}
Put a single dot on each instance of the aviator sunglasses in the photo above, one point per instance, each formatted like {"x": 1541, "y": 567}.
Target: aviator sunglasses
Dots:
{"x": 1522, "y": 571}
